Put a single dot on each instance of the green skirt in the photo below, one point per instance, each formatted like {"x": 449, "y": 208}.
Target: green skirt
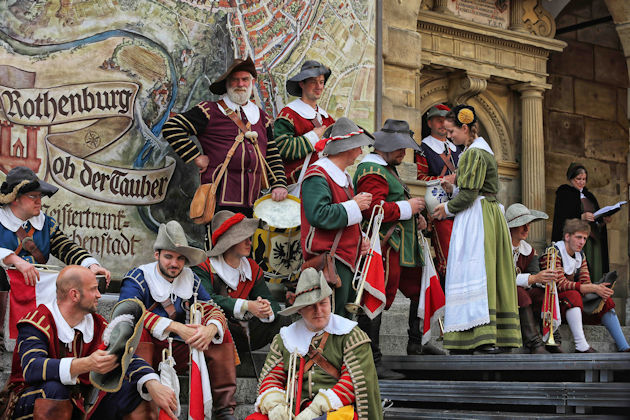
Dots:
{"x": 504, "y": 329}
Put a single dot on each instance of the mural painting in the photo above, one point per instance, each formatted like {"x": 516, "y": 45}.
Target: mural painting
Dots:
{"x": 86, "y": 86}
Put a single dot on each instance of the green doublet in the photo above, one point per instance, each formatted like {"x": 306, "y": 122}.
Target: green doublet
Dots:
{"x": 477, "y": 174}
{"x": 353, "y": 350}
{"x": 404, "y": 238}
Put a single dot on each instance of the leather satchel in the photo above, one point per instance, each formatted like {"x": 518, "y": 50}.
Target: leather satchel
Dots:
{"x": 204, "y": 201}
{"x": 325, "y": 262}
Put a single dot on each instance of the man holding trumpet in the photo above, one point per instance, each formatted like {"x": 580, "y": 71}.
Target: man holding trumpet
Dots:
{"x": 528, "y": 276}
{"x": 399, "y": 231}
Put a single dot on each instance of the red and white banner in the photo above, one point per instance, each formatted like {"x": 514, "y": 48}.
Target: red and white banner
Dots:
{"x": 374, "y": 289}
{"x": 200, "y": 403}
{"x": 555, "y": 313}
{"x": 431, "y": 305}
{"x": 24, "y": 299}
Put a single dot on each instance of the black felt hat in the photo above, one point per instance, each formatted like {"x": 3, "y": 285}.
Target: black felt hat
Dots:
{"x": 21, "y": 180}
{"x": 310, "y": 68}
{"x": 219, "y": 86}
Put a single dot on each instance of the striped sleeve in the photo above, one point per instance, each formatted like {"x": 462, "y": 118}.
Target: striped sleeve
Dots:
{"x": 563, "y": 283}
{"x": 278, "y": 179}
{"x": 344, "y": 388}
{"x": 64, "y": 249}
{"x": 584, "y": 277}
{"x": 32, "y": 348}
{"x": 178, "y": 129}
{"x": 276, "y": 378}
{"x": 290, "y": 146}
{"x": 423, "y": 167}
{"x": 471, "y": 174}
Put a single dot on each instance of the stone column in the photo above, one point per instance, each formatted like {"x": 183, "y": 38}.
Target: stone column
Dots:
{"x": 516, "y": 16}
{"x": 441, "y": 6}
{"x": 533, "y": 157}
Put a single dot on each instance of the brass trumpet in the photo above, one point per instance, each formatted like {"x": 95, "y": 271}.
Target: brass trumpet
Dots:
{"x": 360, "y": 275}
{"x": 549, "y": 301}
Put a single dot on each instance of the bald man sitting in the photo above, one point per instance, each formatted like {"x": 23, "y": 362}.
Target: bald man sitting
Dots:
{"x": 57, "y": 348}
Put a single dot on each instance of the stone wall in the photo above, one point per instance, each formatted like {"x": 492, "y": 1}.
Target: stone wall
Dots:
{"x": 586, "y": 120}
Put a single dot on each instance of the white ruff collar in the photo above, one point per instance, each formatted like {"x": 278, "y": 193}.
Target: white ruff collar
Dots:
{"x": 162, "y": 289}
{"x": 230, "y": 275}
{"x": 341, "y": 178}
{"x": 297, "y": 337}
{"x": 569, "y": 264}
{"x": 65, "y": 333}
{"x": 524, "y": 248}
{"x": 481, "y": 143}
{"x": 306, "y": 111}
{"x": 437, "y": 145}
{"x": 252, "y": 112}
{"x": 13, "y": 223}
{"x": 373, "y": 158}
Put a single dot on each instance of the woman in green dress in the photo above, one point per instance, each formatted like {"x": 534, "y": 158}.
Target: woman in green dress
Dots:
{"x": 481, "y": 311}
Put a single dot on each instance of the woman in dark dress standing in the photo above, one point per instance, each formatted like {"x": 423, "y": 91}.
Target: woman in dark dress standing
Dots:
{"x": 575, "y": 201}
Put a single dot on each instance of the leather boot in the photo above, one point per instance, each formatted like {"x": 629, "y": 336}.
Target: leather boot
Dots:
{"x": 222, "y": 372}
{"x": 145, "y": 410}
{"x": 372, "y": 328}
{"x": 145, "y": 350}
{"x": 529, "y": 330}
{"x": 46, "y": 409}
{"x": 414, "y": 345}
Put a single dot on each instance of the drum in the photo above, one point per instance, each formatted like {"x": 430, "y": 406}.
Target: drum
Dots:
{"x": 434, "y": 195}
{"x": 276, "y": 243}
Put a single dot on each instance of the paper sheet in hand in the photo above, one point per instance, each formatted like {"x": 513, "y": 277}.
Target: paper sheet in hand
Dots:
{"x": 609, "y": 210}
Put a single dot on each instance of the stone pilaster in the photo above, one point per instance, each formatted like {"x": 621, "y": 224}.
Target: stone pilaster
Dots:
{"x": 516, "y": 16}
{"x": 533, "y": 156}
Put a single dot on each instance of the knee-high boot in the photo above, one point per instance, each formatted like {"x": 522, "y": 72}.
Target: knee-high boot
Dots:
{"x": 372, "y": 327}
{"x": 146, "y": 410}
{"x": 222, "y": 372}
{"x": 529, "y": 330}
{"x": 46, "y": 409}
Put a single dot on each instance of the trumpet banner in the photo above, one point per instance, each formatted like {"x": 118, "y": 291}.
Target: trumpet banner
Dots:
{"x": 374, "y": 289}
{"x": 200, "y": 402}
{"x": 431, "y": 305}
{"x": 168, "y": 377}
{"x": 556, "y": 319}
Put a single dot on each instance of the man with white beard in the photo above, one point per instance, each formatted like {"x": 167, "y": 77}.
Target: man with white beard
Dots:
{"x": 231, "y": 124}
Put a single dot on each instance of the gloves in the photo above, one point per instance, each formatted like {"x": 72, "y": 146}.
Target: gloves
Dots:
{"x": 319, "y": 406}
{"x": 279, "y": 412}
{"x": 274, "y": 405}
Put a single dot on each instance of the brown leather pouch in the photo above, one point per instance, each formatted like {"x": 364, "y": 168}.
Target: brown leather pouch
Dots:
{"x": 326, "y": 264}
{"x": 203, "y": 204}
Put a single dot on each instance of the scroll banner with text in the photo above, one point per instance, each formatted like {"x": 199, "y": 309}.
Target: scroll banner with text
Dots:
{"x": 100, "y": 113}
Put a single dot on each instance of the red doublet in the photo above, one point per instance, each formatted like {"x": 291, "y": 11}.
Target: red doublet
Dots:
{"x": 302, "y": 126}
{"x": 317, "y": 241}
{"x": 244, "y": 287}
{"x": 407, "y": 279}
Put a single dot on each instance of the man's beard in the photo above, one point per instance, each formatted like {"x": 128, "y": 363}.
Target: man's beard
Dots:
{"x": 164, "y": 272}
{"x": 240, "y": 98}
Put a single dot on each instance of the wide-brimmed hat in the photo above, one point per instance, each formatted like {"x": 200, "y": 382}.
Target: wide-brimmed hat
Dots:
{"x": 311, "y": 288}
{"x": 171, "y": 237}
{"x": 310, "y": 68}
{"x": 343, "y": 135}
{"x": 219, "y": 86}
{"x": 519, "y": 215}
{"x": 228, "y": 229}
{"x": 394, "y": 135}
{"x": 121, "y": 338}
{"x": 21, "y": 180}
{"x": 439, "y": 110}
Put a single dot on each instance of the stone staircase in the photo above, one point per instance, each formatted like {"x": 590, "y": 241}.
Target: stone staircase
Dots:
{"x": 393, "y": 342}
